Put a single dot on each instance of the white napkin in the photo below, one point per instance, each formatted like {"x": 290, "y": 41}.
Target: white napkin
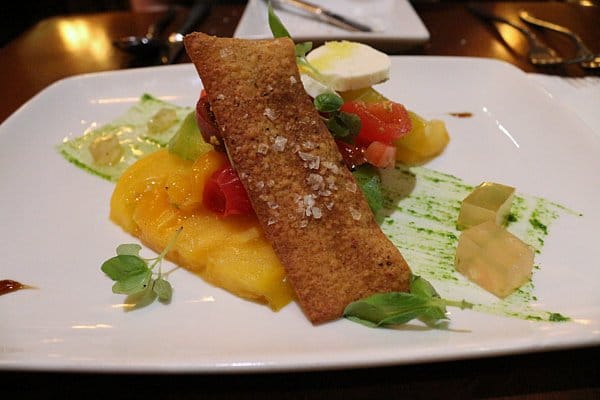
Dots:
{"x": 582, "y": 95}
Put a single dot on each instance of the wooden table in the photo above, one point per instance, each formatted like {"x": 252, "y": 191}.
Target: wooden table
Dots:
{"x": 65, "y": 46}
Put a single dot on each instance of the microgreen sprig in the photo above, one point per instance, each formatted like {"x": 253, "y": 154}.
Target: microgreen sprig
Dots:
{"x": 135, "y": 278}
{"x": 279, "y": 30}
{"x": 397, "y": 308}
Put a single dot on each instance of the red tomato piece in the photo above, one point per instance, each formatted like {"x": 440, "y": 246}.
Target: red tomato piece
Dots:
{"x": 206, "y": 119}
{"x": 382, "y": 121}
{"x": 352, "y": 154}
{"x": 381, "y": 155}
{"x": 225, "y": 195}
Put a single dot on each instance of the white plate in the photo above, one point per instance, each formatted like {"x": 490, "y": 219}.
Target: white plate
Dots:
{"x": 396, "y": 26}
{"x": 54, "y": 234}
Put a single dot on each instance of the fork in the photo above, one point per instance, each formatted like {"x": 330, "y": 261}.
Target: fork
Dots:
{"x": 539, "y": 53}
{"x": 589, "y": 59}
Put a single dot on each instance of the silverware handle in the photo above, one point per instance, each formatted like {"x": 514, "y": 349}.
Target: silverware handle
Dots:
{"x": 493, "y": 17}
{"x": 159, "y": 26}
{"x": 197, "y": 13}
{"x": 530, "y": 19}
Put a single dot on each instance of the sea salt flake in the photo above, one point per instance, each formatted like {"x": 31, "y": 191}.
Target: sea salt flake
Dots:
{"x": 279, "y": 143}
{"x": 351, "y": 187}
{"x": 315, "y": 181}
{"x": 312, "y": 161}
{"x": 316, "y": 212}
{"x": 293, "y": 79}
{"x": 225, "y": 52}
{"x": 270, "y": 113}
{"x": 355, "y": 213}
{"x": 262, "y": 148}
{"x": 220, "y": 96}
{"x": 308, "y": 145}
{"x": 331, "y": 166}
{"x": 309, "y": 202}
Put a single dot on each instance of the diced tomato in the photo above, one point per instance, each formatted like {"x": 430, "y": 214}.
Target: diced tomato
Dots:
{"x": 381, "y": 155}
{"x": 224, "y": 193}
{"x": 382, "y": 121}
{"x": 205, "y": 118}
{"x": 352, "y": 154}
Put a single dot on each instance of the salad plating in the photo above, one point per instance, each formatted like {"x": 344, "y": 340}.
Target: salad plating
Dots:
{"x": 329, "y": 116}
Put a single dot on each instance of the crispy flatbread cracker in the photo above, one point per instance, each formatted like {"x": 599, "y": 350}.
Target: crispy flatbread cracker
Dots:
{"x": 307, "y": 201}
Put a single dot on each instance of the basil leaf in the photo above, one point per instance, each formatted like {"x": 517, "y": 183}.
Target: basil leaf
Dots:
{"x": 350, "y": 121}
{"x": 129, "y": 249}
{"x": 277, "y": 27}
{"x": 422, "y": 287}
{"x": 369, "y": 181}
{"x": 328, "y": 102}
{"x": 336, "y": 129}
{"x": 123, "y": 266}
{"x": 133, "y": 283}
{"x": 386, "y": 308}
{"x": 302, "y": 48}
{"x": 396, "y": 308}
{"x": 432, "y": 316}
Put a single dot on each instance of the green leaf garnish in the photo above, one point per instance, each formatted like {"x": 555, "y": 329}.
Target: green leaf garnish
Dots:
{"x": 163, "y": 289}
{"x": 279, "y": 31}
{"x": 328, "y": 102}
{"x": 129, "y": 249}
{"x": 341, "y": 125}
{"x": 135, "y": 278}
{"x": 187, "y": 142}
{"x": 277, "y": 28}
{"x": 368, "y": 179}
{"x": 302, "y": 49}
{"x": 133, "y": 284}
{"x": 123, "y": 266}
{"x": 397, "y": 308}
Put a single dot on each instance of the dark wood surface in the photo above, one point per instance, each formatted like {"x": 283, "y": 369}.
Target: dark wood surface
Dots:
{"x": 60, "y": 47}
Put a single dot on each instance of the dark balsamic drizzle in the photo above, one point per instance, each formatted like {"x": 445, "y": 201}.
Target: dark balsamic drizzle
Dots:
{"x": 461, "y": 114}
{"x": 8, "y": 286}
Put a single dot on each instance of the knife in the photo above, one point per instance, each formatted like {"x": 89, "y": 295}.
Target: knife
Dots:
{"x": 322, "y": 14}
{"x": 198, "y": 12}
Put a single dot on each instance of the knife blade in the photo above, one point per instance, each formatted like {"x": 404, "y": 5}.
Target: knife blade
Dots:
{"x": 198, "y": 12}
{"x": 322, "y": 14}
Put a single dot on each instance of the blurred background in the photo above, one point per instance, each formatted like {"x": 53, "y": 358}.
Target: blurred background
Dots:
{"x": 17, "y": 16}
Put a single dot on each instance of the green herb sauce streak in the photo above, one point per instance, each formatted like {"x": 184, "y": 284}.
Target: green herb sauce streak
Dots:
{"x": 421, "y": 210}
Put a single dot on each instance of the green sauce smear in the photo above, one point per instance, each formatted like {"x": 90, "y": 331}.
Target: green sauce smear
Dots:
{"x": 421, "y": 210}
{"x": 134, "y": 137}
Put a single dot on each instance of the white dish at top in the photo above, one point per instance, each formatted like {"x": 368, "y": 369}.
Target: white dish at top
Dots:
{"x": 55, "y": 233}
{"x": 396, "y": 25}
